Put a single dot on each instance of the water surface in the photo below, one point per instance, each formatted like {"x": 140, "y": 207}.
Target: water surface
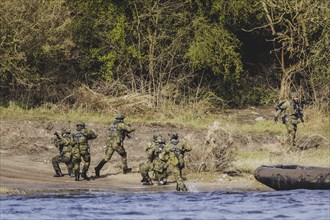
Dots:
{"x": 294, "y": 204}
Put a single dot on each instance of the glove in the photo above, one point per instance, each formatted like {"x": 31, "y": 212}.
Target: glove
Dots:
{"x": 276, "y": 118}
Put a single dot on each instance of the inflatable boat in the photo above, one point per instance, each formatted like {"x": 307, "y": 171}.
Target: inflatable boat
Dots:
{"x": 286, "y": 177}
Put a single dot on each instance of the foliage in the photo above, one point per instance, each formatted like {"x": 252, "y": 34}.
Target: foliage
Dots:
{"x": 297, "y": 27}
{"x": 216, "y": 153}
{"x": 182, "y": 52}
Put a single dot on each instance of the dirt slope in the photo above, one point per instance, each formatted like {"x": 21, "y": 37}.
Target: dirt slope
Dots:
{"x": 27, "y": 148}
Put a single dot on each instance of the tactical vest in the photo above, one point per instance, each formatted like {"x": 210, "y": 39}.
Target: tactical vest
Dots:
{"x": 80, "y": 138}
{"x": 115, "y": 131}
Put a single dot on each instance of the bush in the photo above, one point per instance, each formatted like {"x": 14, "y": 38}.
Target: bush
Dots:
{"x": 215, "y": 153}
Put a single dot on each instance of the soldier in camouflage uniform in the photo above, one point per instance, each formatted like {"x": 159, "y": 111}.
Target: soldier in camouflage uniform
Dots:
{"x": 81, "y": 150}
{"x": 63, "y": 141}
{"x": 160, "y": 161}
{"x": 176, "y": 160}
{"x": 153, "y": 150}
{"x": 181, "y": 150}
{"x": 118, "y": 131}
{"x": 291, "y": 113}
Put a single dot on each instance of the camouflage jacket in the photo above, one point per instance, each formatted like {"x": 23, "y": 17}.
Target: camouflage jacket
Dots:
{"x": 176, "y": 152}
{"x": 119, "y": 130}
{"x": 64, "y": 143}
{"x": 82, "y": 137}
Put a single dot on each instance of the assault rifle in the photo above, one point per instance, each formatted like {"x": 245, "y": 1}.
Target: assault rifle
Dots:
{"x": 128, "y": 135}
{"x": 299, "y": 113}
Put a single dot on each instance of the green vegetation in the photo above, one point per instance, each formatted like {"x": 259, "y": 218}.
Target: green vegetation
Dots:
{"x": 234, "y": 54}
{"x": 175, "y": 62}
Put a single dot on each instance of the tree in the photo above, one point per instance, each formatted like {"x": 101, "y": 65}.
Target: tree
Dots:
{"x": 34, "y": 41}
{"x": 295, "y": 27}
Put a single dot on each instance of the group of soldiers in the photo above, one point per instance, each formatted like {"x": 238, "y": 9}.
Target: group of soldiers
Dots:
{"x": 74, "y": 148}
{"x": 163, "y": 159}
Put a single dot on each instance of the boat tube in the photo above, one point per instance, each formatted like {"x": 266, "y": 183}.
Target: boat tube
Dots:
{"x": 287, "y": 177}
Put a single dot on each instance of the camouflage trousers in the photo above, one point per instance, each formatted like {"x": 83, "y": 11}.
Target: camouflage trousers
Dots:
{"x": 160, "y": 170}
{"x": 116, "y": 147}
{"x": 78, "y": 156}
{"x": 180, "y": 186}
{"x": 291, "y": 127}
{"x": 63, "y": 158}
{"x": 145, "y": 168}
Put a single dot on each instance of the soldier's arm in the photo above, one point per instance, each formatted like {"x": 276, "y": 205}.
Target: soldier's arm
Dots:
{"x": 128, "y": 129}
{"x": 186, "y": 147}
{"x": 90, "y": 134}
{"x": 280, "y": 108}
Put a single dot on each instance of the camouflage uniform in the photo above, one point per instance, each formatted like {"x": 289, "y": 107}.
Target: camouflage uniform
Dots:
{"x": 160, "y": 161}
{"x": 176, "y": 160}
{"x": 117, "y": 133}
{"x": 153, "y": 150}
{"x": 181, "y": 150}
{"x": 81, "y": 149}
{"x": 64, "y": 143}
{"x": 291, "y": 115}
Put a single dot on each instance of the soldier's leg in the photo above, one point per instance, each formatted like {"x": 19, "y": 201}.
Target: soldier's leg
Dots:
{"x": 55, "y": 161}
{"x": 108, "y": 154}
{"x": 121, "y": 151}
{"x": 179, "y": 181}
{"x": 76, "y": 165}
{"x": 291, "y": 131}
{"x": 144, "y": 169}
{"x": 67, "y": 159}
{"x": 87, "y": 161}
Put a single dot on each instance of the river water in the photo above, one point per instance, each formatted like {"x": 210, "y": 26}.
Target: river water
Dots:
{"x": 293, "y": 204}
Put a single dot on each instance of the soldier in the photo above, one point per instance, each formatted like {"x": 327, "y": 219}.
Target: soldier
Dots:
{"x": 63, "y": 142}
{"x": 182, "y": 149}
{"x": 81, "y": 149}
{"x": 160, "y": 161}
{"x": 152, "y": 151}
{"x": 117, "y": 133}
{"x": 176, "y": 160}
{"x": 291, "y": 114}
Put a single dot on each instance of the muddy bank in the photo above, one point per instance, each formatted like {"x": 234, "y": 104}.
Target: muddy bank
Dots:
{"x": 27, "y": 148}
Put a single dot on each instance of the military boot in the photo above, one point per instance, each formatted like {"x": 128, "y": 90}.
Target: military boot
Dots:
{"x": 58, "y": 173}
{"x": 70, "y": 172}
{"x": 127, "y": 170}
{"x": 77, "y": 175}
{"x": 84, "y": 175}
{"x": 148, "y": 182}
{"x": 181, "y": 187}
{"x": 99, "y": 167}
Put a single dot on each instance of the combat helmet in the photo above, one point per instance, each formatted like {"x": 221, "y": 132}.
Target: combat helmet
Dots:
{"x": 119, "y": 117}
{"x": 155, "y": 136}
{"x": 160, "y": 140}
{"x": 81, "y": 124}
{"x": 173, "y": 135}
{"x": 66, "y": 131}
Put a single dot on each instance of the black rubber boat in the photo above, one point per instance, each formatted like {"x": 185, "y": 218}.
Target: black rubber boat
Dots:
{"x": 287, "y": 177}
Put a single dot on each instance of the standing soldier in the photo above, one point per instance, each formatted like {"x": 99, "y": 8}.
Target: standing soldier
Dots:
{"x": 181, "y": 150}
{"x": 81, "y": 149}
{"x": 117, "y": 133}
{"x": 291, "y": 114}
{"x": 63, "y": 142}
{"x": 176, "y": 160}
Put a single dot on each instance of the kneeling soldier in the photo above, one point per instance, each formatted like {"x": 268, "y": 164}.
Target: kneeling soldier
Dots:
{"x": 63, "y": 142}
